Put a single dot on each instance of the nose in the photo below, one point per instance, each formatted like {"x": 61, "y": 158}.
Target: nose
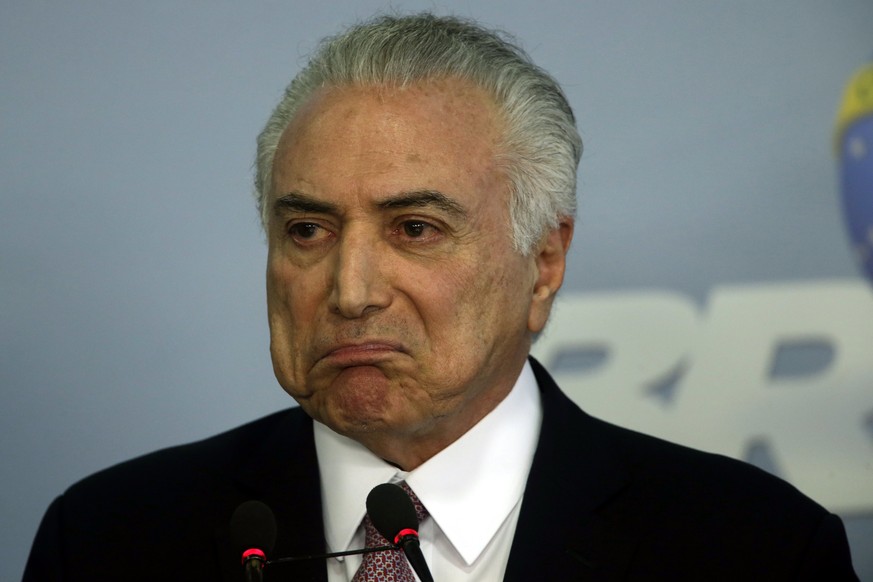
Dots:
{"x": 360, "y": 285}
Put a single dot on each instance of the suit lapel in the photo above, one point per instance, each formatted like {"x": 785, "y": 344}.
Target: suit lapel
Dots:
{"x": 560, "y": 535}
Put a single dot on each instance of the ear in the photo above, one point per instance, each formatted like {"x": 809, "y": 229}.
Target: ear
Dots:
{"x": 551, "y": 262}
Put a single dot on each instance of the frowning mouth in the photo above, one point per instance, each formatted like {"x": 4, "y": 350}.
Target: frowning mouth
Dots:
{"x": 362, "y": 354}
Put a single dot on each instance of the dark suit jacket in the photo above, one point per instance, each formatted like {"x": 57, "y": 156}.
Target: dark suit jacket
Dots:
{"x": 602, "y": 503}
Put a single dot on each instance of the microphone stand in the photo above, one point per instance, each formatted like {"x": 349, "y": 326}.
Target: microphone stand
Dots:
{"x": 254, "y": 568}
{"x": 331, "y": 555}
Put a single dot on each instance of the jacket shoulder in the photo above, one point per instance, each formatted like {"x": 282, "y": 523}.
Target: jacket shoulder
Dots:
{"x": 179, "y": 499}
{"x": 674, "y": 508}
{"x": 215, "y": 457}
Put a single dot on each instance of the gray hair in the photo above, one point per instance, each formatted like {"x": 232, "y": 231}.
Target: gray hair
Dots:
{"x": 541, "y": 146}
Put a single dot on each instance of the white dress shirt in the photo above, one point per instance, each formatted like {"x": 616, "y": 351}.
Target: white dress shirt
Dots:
{"x": 472, "y": 490}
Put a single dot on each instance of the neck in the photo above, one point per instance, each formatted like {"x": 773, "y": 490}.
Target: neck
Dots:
{"x": 408, "y": 451}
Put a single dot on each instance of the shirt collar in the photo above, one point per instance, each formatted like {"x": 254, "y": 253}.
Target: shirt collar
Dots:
{"x": 493, "y": 458}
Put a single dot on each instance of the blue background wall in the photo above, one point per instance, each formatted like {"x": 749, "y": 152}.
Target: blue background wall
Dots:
{"x": 131, "y": 263}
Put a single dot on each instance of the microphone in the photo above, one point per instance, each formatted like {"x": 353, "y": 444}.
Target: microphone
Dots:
{"x": 253, "y": 532}
{"x": 393, "y": 515}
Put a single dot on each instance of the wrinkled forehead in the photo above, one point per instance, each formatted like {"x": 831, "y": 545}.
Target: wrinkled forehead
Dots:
{"x": 441, "y": 122}
{"x": 463, "y": 100}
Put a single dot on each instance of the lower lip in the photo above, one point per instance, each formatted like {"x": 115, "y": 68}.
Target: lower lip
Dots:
{"x": 364, "y": 355}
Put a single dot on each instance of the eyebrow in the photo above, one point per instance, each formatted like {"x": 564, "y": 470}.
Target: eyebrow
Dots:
{"x": 297, "y": 202}
{"x": 423, "y": 198}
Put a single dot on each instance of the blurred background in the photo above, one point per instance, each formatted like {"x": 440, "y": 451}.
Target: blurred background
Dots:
{"x": 716, "y": 291}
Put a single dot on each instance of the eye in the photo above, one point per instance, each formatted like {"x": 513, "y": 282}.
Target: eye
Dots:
{"x": 414, "y": 228}
{"x": 303, "y": 230}
{"x": 417, "y": 230}
{"x": 307, "y": 232}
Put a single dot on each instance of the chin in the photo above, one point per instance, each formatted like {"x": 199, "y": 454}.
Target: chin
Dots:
{"x": 357, "y": 407}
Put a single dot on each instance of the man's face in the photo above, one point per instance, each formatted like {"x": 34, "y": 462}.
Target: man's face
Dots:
{"x": 399, "y": 312}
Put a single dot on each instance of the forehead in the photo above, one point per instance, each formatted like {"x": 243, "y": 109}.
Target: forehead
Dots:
{"x": 432, "y": 135}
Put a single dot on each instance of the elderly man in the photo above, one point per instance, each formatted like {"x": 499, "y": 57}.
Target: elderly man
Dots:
{"x": 417, "y": 188}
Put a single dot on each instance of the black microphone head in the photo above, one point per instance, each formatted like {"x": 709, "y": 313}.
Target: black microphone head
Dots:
{"x": 391, "y": 510}
{"x": 253, "y": 525}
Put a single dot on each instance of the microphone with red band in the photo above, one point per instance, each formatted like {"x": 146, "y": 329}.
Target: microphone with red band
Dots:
{"x": 402, "y": 533}
{"x": 393, "y": 513}
{"x": 253, "y": 530}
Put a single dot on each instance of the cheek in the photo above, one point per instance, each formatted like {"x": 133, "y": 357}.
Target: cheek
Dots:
{"x": 292, "y": 308}
{"x": 506, "y": 301}
{"x": 471, "y": 308}
{"x": 280, "y": 296}
{"x": 293, "y": 294}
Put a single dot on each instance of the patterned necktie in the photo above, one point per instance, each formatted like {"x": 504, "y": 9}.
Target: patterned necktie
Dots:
{"x": 388, "y": 566}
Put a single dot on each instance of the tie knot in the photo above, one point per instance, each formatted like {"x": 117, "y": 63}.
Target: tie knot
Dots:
{"x": 420, "y": 509}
